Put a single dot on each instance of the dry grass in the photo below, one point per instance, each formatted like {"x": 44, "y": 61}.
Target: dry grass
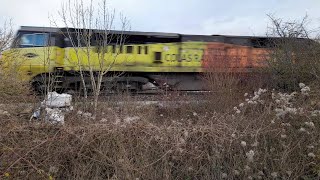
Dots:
{"x": 185, "y": 142}
{"x": 227, "y": 89}
{"x": 13, "y": 90}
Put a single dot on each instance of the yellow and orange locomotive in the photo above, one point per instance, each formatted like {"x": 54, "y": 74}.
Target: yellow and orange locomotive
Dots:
{"x": 172, "y": 60}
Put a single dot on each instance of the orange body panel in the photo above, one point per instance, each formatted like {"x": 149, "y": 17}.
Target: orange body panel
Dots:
{"x": 233, "y": 57}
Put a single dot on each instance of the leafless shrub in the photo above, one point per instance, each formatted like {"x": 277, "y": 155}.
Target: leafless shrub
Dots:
{"x": 295, "y": 55}
{"x": 82, "y": 22}
{"x": 6, "y": 35}
{"x": 269, "y": 135}
{"x": 224, "y": 88}
{"x": 12, "y": 88}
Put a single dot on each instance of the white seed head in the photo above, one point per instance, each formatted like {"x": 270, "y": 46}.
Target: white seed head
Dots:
{"x": 182, "y": 141}
{"x": 312, "y": 155}
{"x": 283, "y": 136}
{"x": 247, "y": 168}
{"x": 310, "y": 124}
{"x": 301, "y": 85}
{"x": 186, "y": 133}
{"x": 250, "y": 155}
{"x": 256, "y": 97}
{"x": 305, "y": 91}
{"x": 310, "y": 147}
{"x": 302, "y": 129}
{"x": 236, "y": 172}
{"x": 243, "y": 144}
{"x": 274, "y": 174}
{"x": 255, "y": 144}
{"x": 53, "y": 169}
{"x": 289, "y": 173}
{"x": 224, "y": 175}
{"x": 314, "y": 114}
{"x": 261, "y": 173}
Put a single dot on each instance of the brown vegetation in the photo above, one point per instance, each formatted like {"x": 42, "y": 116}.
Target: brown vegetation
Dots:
{"x": 270, "y": 135}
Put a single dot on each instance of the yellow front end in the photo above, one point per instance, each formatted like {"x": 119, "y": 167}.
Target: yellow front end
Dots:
{"x": 27, "y": 63}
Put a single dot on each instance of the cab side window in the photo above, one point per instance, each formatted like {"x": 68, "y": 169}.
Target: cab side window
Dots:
{"x": 26, "y": 40}
{"x": 34, "y": 40}
{"x": 40, "y": 40}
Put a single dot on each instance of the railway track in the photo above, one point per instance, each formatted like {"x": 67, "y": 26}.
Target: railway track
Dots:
{"x": 171, "y": 100}
{"x": 149, "y": 96}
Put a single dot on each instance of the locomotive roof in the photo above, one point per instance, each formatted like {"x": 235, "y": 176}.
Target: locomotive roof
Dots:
{"x": 161, "y": 37}
{"x": 139, "y": 33}
{"x": 56, "y": 30}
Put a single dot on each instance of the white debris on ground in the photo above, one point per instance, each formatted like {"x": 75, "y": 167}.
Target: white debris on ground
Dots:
{"x": 56, "y": 100}
{"x": 122, "y": 121}
{"x": 86, "y": 115}
{"x": 54, "y": 115}
{"x": 4, "y": 113}
{"x": 131, "y": 119}
{"x": 54, "y": 107}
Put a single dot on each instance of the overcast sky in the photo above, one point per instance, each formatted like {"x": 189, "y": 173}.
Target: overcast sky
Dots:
{"x": 236, "y": 17}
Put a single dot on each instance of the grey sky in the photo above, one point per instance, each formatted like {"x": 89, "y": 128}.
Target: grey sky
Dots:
{"x": 238, "y": 17}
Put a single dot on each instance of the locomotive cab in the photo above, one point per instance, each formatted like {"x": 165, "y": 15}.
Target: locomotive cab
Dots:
{"x": 34, "y": 51}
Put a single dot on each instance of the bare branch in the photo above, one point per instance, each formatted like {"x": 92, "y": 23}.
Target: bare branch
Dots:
{"x": 6, "y": 35}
